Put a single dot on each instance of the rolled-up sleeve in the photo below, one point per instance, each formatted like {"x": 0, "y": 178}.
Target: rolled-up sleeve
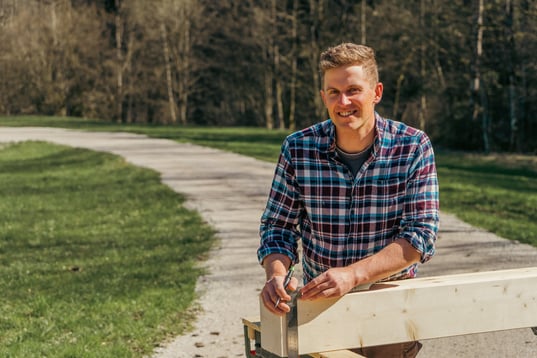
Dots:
{"x": 419, "y": 224}
{"x": 279, "y": 231}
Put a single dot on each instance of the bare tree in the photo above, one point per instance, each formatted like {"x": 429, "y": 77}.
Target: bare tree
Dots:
{"x": 176, "y": 21}
{"x": 50, "y": 66}
{"x": 167, "y": 64}
{"x": 422, "y": 112}
{"x": 8, "y": 8}
{"x": 514, "y": 143}
{"x": 363, "y": 18}
{"x": 186, "y": 12}
{"x": 294, "y": 65}
{"x": 316, "y": 18}
{"x": 268, "y": 51}
{"x": 480, "y": 105}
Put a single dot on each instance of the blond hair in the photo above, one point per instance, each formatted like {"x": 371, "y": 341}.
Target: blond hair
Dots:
{"x": 350, "y": 54}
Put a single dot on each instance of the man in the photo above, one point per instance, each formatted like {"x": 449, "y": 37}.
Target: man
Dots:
{"x": 358, "y": 190}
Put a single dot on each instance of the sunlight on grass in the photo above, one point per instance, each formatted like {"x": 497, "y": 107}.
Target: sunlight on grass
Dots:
{"x": 498, "y": 193}
{"x": 97, "y": 257}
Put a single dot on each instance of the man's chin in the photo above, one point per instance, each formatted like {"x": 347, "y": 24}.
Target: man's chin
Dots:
{"x": 350, "y": 122}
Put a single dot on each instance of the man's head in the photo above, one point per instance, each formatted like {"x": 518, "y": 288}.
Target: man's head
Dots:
{"x": 351, "y": 90}
{"x": 350, "y": 54}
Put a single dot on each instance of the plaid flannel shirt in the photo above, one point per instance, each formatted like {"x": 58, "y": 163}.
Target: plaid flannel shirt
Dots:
{"x": 342, "y": 219}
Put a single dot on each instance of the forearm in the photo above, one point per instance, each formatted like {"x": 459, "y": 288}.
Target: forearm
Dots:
{"x": 276, "y": 265}
{"x": 392, "y": 259}
{"x": 337, "y": 281}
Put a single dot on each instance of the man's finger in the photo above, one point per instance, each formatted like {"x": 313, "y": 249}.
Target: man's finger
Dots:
{"x": 269, "y": 301}
{"x": 312, "y": 286}
{"x": 293, "y": 284}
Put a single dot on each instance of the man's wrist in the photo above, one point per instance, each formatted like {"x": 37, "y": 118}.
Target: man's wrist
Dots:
{"x": 359, "y": 274}
{"x": 276, "y": 265}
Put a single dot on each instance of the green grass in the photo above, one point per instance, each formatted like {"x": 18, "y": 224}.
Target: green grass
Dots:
{"x": 495, "y": 192}
{"x": 97, "y": 257}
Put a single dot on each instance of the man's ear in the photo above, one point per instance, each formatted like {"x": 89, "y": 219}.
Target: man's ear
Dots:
{"x": 379, "y": 88}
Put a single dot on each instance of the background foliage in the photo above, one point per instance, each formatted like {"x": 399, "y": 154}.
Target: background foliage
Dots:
{"x": 463, "y": 70}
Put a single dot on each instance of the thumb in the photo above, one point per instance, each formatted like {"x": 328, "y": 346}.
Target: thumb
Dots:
{"x": 293, "y": 284}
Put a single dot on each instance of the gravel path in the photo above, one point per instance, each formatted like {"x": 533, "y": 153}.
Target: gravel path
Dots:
{"x": 229, "y": 191}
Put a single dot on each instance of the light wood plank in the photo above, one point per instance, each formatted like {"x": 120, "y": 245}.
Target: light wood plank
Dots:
{"x": 408, "y": 310}
{"x": 273, "y": 331}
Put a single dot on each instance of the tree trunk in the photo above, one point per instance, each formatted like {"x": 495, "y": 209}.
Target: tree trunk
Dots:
{"x": 269, "y": 104}
{"x": 398, "y": 86}
{"x": 316, "y": 13}
{"x": 279, "y": 91}
{"x": 269, "y": 69}
{"x": 276, "y": 67}
{"x": 119, "y": 66}
{"x": 167, "y": 64}
{"x": 514, "y": 144}
{"x": 422, "y": 114}
{"x": 363, "y": 22}
{"x": 480, "y": 107}
{"x": 185, "y": 47}
{"x": 294, "y": 64}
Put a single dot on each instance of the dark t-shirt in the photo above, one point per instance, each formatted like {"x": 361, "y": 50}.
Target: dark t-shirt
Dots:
{"x": 354, "y": 161}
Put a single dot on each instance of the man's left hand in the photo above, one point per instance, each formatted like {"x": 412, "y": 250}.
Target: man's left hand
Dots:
{"x": 334, "y": 282}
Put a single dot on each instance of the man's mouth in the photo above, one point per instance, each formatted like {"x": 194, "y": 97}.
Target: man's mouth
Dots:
{"x": 346, "y": 113}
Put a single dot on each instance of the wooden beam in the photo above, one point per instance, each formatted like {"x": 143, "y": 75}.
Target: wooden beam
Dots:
{"x": 273, "y": 332}
{"x": 417, "y": 309}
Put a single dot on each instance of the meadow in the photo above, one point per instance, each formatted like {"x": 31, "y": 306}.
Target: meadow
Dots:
{"x": 97, "y": 257}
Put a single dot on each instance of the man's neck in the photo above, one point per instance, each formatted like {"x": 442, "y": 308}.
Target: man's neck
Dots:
{"x": 353, "y": 141}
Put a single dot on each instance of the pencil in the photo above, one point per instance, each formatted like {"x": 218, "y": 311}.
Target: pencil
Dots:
{"x": 286, "y": 282}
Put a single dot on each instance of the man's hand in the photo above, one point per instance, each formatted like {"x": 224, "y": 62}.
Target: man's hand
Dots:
{"x": 334, "y": 282}
{"x": 273, "y": 290}
{"x": 276, "y": 267}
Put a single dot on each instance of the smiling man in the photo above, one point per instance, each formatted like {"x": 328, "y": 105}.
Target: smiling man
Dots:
{"x": 359, "y": 192}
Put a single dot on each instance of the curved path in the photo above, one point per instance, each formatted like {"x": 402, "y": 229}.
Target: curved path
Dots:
{"x": 229, "y": 191}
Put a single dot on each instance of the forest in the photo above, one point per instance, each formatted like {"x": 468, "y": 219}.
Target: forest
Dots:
{"x": 465, "y": 71}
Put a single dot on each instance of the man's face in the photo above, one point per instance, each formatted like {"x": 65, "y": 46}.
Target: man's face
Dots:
{"x": 350, "y": 98}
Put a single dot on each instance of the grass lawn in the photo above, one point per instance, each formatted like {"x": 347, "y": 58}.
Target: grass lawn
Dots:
{"x": 495, "y": 192}
{"x": 97, "y": 257}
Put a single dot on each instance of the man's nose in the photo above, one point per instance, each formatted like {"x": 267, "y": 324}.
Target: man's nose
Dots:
{"x": 344, "y": 99}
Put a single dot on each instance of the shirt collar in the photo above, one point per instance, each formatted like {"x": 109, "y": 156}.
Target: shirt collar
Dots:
{"x": 329, "y": 129}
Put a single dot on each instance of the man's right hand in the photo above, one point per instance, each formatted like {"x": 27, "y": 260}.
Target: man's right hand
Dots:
{"x": 274, "y": 290}
{"x": 276, "y": 266}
